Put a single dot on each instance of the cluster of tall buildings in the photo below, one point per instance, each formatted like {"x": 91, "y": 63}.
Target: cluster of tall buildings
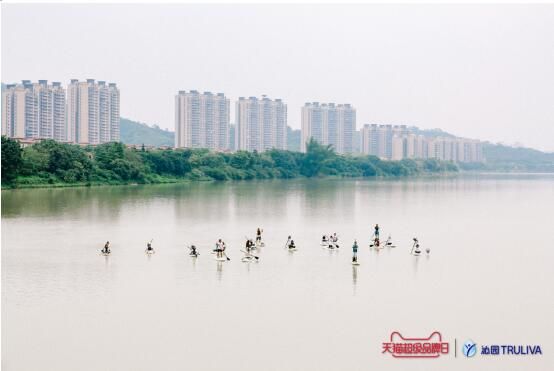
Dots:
{"x": 397, "y": 142}
{"x": 86, "y": 112}
{"x": 202, "y": 121}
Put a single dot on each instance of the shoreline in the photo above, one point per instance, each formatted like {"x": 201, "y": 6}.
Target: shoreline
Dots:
{"x": 191, "y": 181}
{"x": 208, "y": 180}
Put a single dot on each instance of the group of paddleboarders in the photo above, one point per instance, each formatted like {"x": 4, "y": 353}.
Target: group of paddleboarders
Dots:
{"x": 327, "y": 240}
{"x": 331, "y": 240}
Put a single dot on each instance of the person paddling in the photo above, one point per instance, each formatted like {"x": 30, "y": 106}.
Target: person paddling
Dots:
{"x": 376, "y": 241}
{"x": 149, "y": 247}
{"x": 219, "y": 248}
{"x": 415, "y": 247}
{"x": 193, "y": 251}
{"x": 106, "y": 249}
{"x": 289, "y": 238}
{"x": 335, "y": 240}
{"x": 355, "y": 252}
{"x": 249, "y": 245}
{"x": 292, "y": 245}
{"x": 259, "y": 235}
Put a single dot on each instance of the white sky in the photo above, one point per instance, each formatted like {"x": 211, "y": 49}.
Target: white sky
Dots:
{"x": 480, "y": 71}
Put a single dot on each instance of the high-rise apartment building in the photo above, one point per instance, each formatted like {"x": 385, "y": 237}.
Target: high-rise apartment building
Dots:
{"x": 329, "y": 123}
{"x": 261, "y": 124}
{"x": 377, "y": 140}
{"x": 34, "y": 110}
{"x": 397, "y": 142}
{"x": 201, "y": 120}
{"x": 93, "y": 112}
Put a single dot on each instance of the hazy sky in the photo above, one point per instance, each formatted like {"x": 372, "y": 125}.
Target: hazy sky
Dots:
{"x": 480, "y": 71}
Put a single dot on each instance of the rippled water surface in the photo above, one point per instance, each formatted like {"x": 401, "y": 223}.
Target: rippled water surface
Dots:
{"x": 488, "y": 277}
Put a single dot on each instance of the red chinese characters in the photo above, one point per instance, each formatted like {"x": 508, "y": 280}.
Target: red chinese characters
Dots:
{"x": 403, "y": 347}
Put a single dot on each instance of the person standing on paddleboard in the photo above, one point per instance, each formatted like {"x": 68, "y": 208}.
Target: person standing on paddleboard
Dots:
{"x": 219, "y": 248}
{"x": 107, "y": 248}
{"x": 259, "y": 235}
{"x": 335, "y": 240}
{"x": 149, "y": 246}
{"x": 288, "y": 241}
{"x": 355, "y": 251}
{"x": 249, "y": 245}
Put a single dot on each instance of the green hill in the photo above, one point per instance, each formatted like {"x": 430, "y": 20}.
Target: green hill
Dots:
{"x": 501, "y": 157}
{"x": 133, "y": 132}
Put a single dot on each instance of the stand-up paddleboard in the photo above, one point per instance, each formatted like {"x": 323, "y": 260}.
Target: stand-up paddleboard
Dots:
{"x": 259, "y": 244}
{"x": 222, "y": 259}
{"x": 105, "y": 253}
{"x": 194, "y": 256}
{"x": 417, "y": 252}
{"x": 292, "y": 249}
{"x": 249, "y": 256}
{"x": 355, "y": 263}
{"x": 149, "y": 252}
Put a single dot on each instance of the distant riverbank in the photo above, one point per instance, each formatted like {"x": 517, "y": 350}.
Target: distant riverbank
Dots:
{"x": 51, "y": 164}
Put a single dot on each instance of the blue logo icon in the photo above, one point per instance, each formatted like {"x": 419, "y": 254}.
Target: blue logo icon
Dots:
{"x": 469, "y": 349}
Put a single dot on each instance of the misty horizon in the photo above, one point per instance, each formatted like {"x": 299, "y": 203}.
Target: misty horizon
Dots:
{"x": 476, "y": 71}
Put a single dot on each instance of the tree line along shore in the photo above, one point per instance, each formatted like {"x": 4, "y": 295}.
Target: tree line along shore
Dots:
{"x": 53, "y": 164}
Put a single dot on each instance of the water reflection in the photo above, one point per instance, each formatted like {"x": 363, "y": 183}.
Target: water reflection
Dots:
{"x": 354, "y": 277}
{"x": 415, "y": 264}
{"x": 219, "y": 270}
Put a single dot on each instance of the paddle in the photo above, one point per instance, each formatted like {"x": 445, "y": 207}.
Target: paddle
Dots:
{"x": 414, "y": 245}
{"x": 287, "y": 243}
{"x": 223, "y": 252}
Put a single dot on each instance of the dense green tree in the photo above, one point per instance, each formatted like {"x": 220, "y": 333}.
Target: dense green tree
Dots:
{"x": 316, "y": 155}
{"x": 11, "y": 160}
{"x": 113, "y": 163}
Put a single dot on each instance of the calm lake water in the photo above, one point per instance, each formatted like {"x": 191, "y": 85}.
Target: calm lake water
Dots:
{"x": 488, "y": 277}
